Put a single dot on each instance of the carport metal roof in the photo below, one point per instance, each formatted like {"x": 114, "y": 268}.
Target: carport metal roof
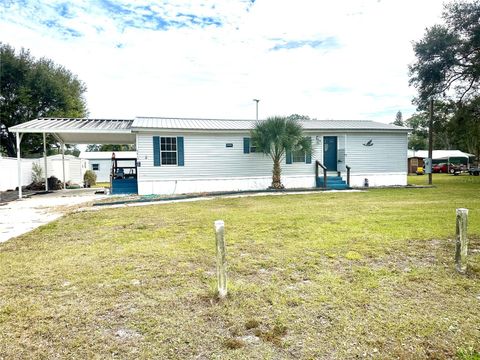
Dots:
{"x": 81, "y": 131}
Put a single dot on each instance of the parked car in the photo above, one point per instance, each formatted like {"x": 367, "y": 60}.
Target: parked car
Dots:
{"x": 474, "y": 171}
{"x": 440, "y": 168}
{"x": 448, "y": 168}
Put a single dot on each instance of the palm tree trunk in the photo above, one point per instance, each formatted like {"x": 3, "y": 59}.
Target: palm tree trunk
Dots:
{"x": 276, "y": 180}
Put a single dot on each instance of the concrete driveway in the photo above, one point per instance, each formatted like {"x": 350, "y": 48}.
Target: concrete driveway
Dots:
{"x": 21, "y": 216}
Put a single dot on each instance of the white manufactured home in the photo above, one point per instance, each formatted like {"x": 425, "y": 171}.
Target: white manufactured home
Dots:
{"x": 177, "y": 155}
{"x": 197, "y": 155}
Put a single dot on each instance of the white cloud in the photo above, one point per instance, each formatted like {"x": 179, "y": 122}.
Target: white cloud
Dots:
{"x": 199, "y": 69}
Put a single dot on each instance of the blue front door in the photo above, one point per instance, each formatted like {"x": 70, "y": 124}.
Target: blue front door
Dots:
{"x": 330, "y": 152}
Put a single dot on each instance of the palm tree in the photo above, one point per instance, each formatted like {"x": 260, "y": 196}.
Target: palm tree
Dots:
{"x": 275, "y": 136}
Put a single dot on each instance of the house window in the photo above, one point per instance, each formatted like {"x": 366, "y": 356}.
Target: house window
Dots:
{"x": 95, "y": 167}
{"x": 298, "y": 156}
{"x": 168, "y": 150}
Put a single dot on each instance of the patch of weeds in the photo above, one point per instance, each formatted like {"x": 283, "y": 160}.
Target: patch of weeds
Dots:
{"x": 293, "y": 302}
{"x": 468, "y": 354}
{"x": 274, "y": 335}
{"x": 331, "y": 255}
{"x": 233, "y": 343}
{"x": 252, "y": 324}
{"x": 353, "y": 255}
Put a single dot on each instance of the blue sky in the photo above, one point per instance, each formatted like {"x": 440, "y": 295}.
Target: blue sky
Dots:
{"x": 326, "y": 59}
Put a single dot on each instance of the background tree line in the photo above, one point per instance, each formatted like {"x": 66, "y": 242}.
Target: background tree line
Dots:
{"x": 447, "y": 69}
{"x": 32, "y": 88}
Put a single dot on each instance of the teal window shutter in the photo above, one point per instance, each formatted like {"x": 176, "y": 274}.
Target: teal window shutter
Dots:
{"x": 308, "y": 158}
{"x": 156, "y": 151}
{"x": 180, "y": 151}
{"x": 246, "y": 145}
{"x": 289, "y": 157}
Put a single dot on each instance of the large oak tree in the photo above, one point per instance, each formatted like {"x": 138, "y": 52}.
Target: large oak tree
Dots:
{"x": 31, "y": 88}
{"x": 448, "y": 56}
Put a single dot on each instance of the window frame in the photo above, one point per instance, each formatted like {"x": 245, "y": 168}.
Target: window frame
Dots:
{"x": 97, "y": 165}
{"x": 168, "y": 151}
{"x": 297, "y": 160}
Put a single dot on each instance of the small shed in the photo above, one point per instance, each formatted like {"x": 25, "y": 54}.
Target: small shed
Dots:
{"x": 414, "y": 163}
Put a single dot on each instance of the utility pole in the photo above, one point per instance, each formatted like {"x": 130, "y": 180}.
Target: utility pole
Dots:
{"x": 256, "y": 100}
{"x": 430, "y": 140}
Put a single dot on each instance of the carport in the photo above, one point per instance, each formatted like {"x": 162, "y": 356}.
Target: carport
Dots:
{"x": 72, "y": 131}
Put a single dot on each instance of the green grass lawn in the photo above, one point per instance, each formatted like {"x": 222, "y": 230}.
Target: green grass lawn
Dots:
{"x": 324, "y": 275}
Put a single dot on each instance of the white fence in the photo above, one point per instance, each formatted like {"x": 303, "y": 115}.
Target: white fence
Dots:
{"x": 74, "y": 170}
{"x": 9, "y": 173}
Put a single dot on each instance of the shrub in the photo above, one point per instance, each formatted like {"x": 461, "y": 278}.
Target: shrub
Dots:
{"x": 89, "y": 178}
{"x": 37, "y": 173}
{"x": 54, "y": 183}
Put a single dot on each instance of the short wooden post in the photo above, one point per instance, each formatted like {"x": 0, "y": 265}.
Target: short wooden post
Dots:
{"x": 221, "y": 258}
{"x": 461, "y": 245}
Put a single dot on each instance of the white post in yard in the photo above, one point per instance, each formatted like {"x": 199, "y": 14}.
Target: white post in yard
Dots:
{"x": 221, "y": 258}
{"x": 63, "y": 165}
{"x": 461, "y": 245}
{"x": 19, "y": 166}
{"x": 45, "y": 160}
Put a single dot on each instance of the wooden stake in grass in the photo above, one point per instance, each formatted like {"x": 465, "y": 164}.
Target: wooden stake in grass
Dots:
{"x": 221, "y": 259}
{"x": 461, "y": 245}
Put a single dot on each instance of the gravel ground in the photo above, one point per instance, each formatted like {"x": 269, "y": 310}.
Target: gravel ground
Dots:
{"x": 21, "y": 216}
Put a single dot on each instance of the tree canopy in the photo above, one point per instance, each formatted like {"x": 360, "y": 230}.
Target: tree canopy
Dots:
{"x": 448, "y": 57}
{"x": 274, "y": 137}
{"x": 109, "y": 147}
{"x": 399, "y": 119}
{"x": 31, "y": 88}
{"x": 455, "y": 126}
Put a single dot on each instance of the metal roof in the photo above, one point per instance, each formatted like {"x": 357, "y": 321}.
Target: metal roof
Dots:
{"x": 142, "y": 123}
{"x": 120, "y": 131}
{"x": 81, "y": 131}
{"x": 439, "y": 154}
{"x": 73, "y": 124}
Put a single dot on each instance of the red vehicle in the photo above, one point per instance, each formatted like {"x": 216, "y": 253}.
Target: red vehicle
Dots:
{"x": 448, "y": 168}
{"x": 440, "y": 168}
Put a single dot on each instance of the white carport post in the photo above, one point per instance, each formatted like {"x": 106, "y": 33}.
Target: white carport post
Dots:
{"x": 45, "y": 159}
{"x": 19, "y": 166}
{"x": 63, "y": 165}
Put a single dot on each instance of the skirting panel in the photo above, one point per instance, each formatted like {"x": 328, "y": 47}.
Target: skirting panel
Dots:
{"x": 185, "y": 186}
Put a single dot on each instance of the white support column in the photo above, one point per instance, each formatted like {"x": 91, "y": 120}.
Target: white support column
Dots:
{"x": 19, "y": 166}
{"x": 63, "y": 165}
{"x": 45, "y": 159}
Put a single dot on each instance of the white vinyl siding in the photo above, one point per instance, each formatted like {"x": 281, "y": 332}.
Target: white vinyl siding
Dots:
{"x": 387, "y": 154}
{"x": 206, "y": 156}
